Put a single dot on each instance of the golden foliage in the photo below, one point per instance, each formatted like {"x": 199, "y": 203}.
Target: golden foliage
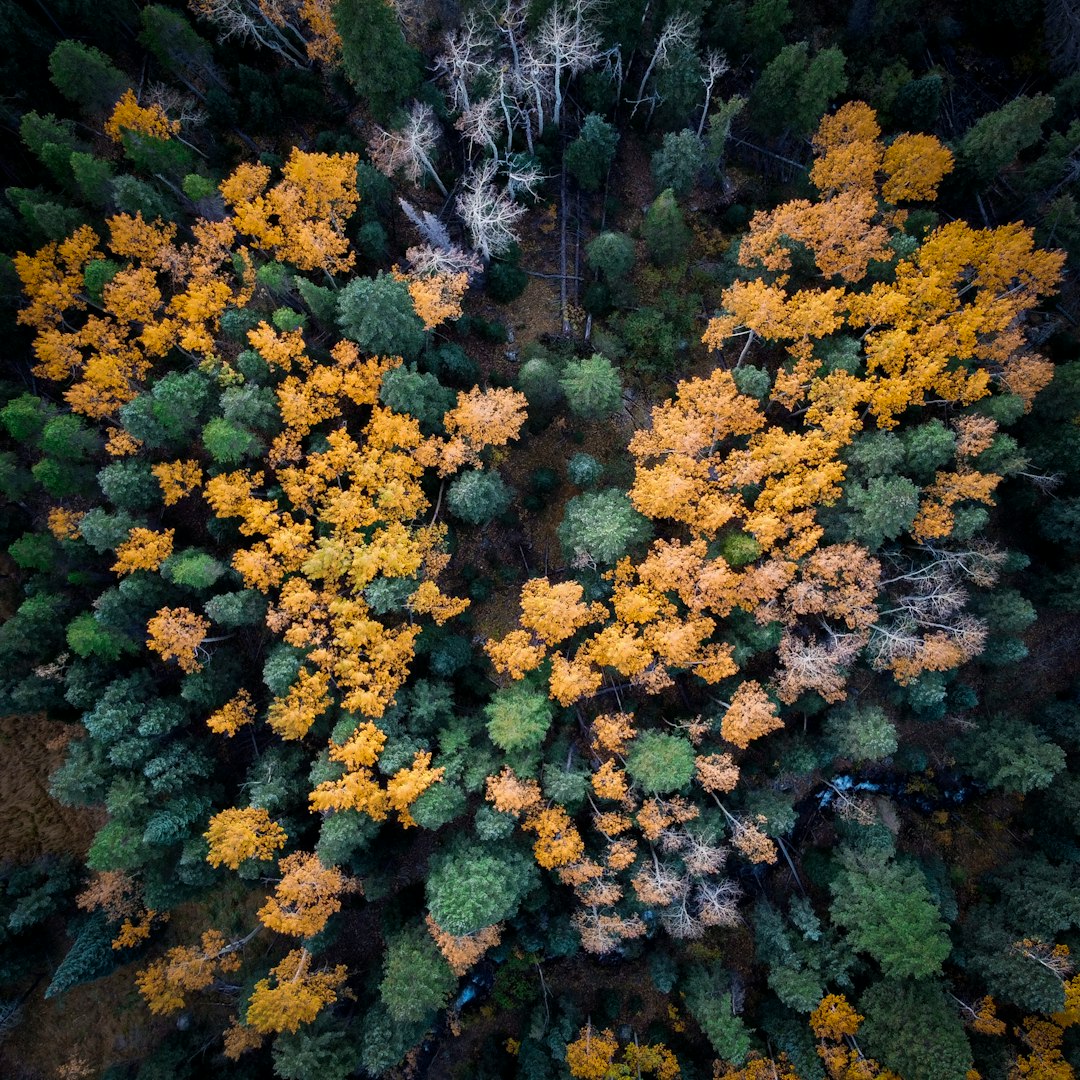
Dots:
{"x": 112, "y": 892}
{"x": 294, "y": 996}
{"x": 717, "y": 772}
{"x": 64, "y": 523}
{"x": 610, "y": 782}
{"x": 985, "y": 1020}
{"x": 165, "y": 984}
{"x": 749, "y": 716}
{"x": 305, "y": 897}
{"x": 1045, "y": 1061}
{"x": 834, "y": 1018}
{"x": 753, "y": 843}
{"x": 237, "y": 835}
{"x": 144, "y": 549}
{"x": 756, "y": 1068}
{"x": 437, "y": 297}
{"x": 129, "y": 115}
{"x": 612, "y": 731}
{"x": 177, "y": 479}
{"x": 324, "y": 45}
{"x": 233, "y": 715}
{"x": 121, "y": 443}
{"x": 591, "y": 1056}
{"x": 177, "y": 633}
{"x": 132, "y": 933}
{"x": 302, "y": 218}
{"x": 407, "y": 785}
{"x": 511, "y": 795}
{"x": 239, "y": 1039}
{"x": 307, "y": 699}
{"x": 558, "y": 843}
{"x": 915, "y": 165}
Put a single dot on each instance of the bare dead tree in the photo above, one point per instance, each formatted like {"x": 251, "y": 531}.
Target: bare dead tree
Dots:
{"x": 480, "y": 124}
{"x": 467, "y": 56}
{"x": 267, "y": 25}
{"x": 567, "y": 43}
{"x": 408, "y": 151}
{"x": 522, "y": 175}
{"x": 679, "y": 31}
{"x": 1062, "y": 23}
{"x": 438, "y": 254}
{"x": 489, "y": 214}
{"x": 176, "y": 105}
{"x": 718, "y": 902}
{"x": 716, "y": 65}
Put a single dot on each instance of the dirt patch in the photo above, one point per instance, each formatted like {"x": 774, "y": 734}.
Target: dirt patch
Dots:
{"x": 32, "y": 823}
{"x": 99, "y": 1024}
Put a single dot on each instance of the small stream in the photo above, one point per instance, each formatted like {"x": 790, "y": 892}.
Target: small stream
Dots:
{"x": 949, "y": 790}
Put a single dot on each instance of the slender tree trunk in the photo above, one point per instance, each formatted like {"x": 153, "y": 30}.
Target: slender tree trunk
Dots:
{"x": 562, "y": 252}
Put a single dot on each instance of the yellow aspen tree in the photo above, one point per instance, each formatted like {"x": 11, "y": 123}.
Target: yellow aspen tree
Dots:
{"x": 239, "y": 834}
{"x": 305, "y": 897}
{"x": 167, "y": 983}
{"x": 293, "y": 995}
{"x": 233, "y": 715}
{"x": 176, "y": 634}
{"x": 749, "y": 715}
{"x": 144, "y": 549}
{"x": 129, "y": 115}
{"x": 177, "y": 479}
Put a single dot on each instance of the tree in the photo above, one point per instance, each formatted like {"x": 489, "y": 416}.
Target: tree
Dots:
{"x": 861, "y": 733}
{"x": 166, "y": 984}
{"x": 676, "y": 165}
{"x": 91, "y": 955}
{"x": 1011, "y": 755}
{"x": 416, "y": 980}
{"x": 478, "y": 496}
{"x": 539, "y": 382}
{"x": 881, "y": 509}
{"x": 889, "y": 912}
{"x": 377, "y": 313}
{"x": 383, "y": 68}
{"x": 794, "y": 90}
{"x": 86, "y": 76}
{"x": 228, "y": 443}
{"x": 489, "y": 214}
{"x": 600, "y": 527}
{"x": 902, "y": 1018}
{"x": 177, "y": 633}
{"x": 666, "y": 235}
{"x": 302, "y": 218}
{"x": 419, "y": 394}
{"x": 330, "y": 1055}
{"x": 660, "y": 763}
{"x": 307, "y": 894}
{"x": 584, "y": 471}
{"x": 611, "y": 255}
{"x": 590, "y": 155}
{"x": 518, "y": 718}
{"x": 237, "y": 835}
{"x": 471, "y": 887}
{"x": 993, "y": 142}
{"x": 409, "y": 150}
{"x": 592, "y": 387}
{"x": 296, "y": 996}
{"x": 750, "y": 715}
{"x": 709, "y": 1002}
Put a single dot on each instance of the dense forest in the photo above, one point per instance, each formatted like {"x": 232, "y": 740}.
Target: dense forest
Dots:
{"x": 541, "y": 539}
